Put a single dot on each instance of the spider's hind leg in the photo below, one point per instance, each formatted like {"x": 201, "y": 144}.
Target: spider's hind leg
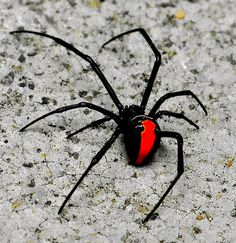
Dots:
{"x": 180, "y": 168}
{"x": 94, "y": 161}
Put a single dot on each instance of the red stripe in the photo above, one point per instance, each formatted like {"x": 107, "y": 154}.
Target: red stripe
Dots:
{"x": 147, "y": 140}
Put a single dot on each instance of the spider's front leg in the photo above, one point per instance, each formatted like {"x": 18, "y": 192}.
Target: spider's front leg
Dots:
{"x": 87, "y": 58}
{"x": 156, "y": 65}
{"x": 180, "y": 168}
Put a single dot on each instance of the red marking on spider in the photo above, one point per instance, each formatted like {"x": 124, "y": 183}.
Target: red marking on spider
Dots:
{"x": 148, "y": 138}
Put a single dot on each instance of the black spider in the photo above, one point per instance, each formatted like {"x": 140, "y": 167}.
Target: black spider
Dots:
{"x": 141, "y": 132}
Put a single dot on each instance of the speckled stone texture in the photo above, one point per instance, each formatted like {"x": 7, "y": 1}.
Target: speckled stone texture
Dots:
{"x": 39, "y": 167}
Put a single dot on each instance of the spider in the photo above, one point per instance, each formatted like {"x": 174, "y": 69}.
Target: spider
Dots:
{"x": 141, "y": 132}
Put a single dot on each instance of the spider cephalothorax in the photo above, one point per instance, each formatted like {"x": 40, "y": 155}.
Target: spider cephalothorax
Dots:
{"x": 127, "y": 114}
{"x": 142, "y": 134}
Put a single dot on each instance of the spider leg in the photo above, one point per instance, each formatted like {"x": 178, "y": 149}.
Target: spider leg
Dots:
{"x": 180, "y": 168}
{"x": 90, "y": 125}
{"x": 156, "y": 65}
{"x": 74, "y": 106}
{"x": 87, "y": 58}
{"x": 176, "y": 115}
{"x": 94, "y": 161}
{"x": 174, "y": 94}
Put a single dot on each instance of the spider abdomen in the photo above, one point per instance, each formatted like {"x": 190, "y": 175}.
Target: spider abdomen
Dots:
{"x": 141, "y": 139}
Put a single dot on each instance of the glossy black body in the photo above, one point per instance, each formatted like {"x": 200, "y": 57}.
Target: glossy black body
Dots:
{"x": 133, "y": 139}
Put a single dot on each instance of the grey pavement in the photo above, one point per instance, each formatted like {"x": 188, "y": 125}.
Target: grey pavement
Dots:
{"x": 39, "y": 167}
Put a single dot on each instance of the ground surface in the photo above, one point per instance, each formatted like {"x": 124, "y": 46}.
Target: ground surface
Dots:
{"x": 40, "y": 166}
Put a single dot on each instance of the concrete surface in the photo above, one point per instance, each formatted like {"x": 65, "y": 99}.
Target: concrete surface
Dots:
{"x": 40, "y": 166}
